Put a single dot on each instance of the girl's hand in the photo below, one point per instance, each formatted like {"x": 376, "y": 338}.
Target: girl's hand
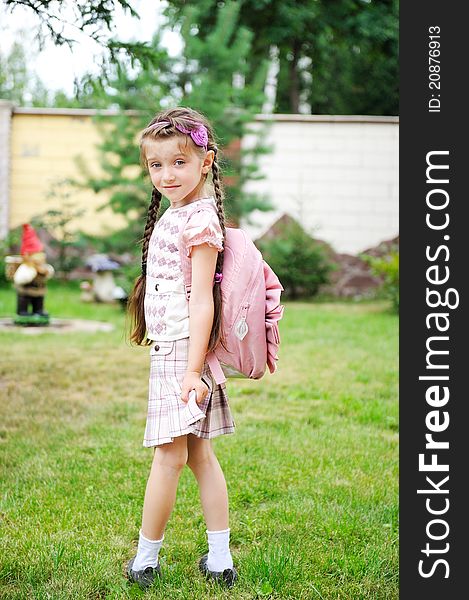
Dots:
{"x": 191, "y": 382}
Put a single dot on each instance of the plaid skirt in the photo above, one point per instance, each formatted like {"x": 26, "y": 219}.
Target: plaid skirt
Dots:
{"x": 168, "y": 416}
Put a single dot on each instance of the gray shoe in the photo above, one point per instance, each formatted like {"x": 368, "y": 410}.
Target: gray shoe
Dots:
{"x": 226, "y": 577}
{"x": 145, "y": 577}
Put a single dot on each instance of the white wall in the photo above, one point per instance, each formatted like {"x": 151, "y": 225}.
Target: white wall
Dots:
{"x": 337, "y": 175}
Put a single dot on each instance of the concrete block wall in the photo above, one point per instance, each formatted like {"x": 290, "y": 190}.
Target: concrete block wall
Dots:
{"x": 5, "y": 135}
{"x": 338, "y": 176}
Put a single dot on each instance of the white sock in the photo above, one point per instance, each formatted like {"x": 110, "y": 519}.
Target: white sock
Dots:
{"x": 147, "y": 552}
{"x": 219, "y": 555}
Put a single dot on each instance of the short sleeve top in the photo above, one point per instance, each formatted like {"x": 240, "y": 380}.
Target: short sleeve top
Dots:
{"x": 166, "y": 306}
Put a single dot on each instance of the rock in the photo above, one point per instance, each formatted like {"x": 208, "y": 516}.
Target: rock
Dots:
{"x": 353, "y": 277}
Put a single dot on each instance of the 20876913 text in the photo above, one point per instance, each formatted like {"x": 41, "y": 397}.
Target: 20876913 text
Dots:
{"x": 434, "y": 69}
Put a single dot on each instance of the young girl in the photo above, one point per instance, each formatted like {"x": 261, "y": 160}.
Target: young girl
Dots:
{"x": 185, "y": 408}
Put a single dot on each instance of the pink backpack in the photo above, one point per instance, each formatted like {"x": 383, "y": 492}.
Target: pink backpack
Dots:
{"x": 251, "y": 310}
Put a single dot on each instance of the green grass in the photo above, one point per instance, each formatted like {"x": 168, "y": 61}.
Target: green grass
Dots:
{"x": 312, "y": 469}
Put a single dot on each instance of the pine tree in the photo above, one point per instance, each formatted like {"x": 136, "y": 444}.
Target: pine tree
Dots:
{"x": 203, "y": 79}
{"x": 212, "y": 80}
{"x": 135, "y": 89}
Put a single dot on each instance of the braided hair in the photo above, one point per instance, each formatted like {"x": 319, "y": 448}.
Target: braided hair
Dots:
{"x": 135, "y": 304}
{"x": 184, "y": 117}
{"x": 216, "y": 333}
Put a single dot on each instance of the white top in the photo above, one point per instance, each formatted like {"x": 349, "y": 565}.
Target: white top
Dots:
{"x": 166, "y": 305}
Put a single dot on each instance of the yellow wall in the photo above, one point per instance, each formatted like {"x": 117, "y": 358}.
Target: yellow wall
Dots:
{"x": 44, "y": 148}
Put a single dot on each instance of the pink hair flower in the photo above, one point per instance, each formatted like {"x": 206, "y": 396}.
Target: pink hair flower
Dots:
{"x": 199, "y": 135}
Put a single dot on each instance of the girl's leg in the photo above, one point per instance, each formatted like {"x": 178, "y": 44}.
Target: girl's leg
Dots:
{"x": 160, "y": 494}
{"x": 214, "y": 498}
{"x": 212, "y": 485}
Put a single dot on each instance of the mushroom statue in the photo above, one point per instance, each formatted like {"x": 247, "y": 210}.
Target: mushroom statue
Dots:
{"x": 104, "y": 287}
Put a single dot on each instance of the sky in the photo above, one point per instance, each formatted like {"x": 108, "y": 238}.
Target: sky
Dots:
{"x": 58, "y": 66}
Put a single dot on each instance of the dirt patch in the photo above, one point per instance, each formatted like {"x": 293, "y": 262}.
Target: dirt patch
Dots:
{"x": 56, "y": 326}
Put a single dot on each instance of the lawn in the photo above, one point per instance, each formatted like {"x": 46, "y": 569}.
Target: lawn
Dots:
{"x": 312, "y": 469}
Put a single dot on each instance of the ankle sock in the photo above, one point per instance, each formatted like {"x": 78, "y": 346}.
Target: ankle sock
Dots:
{"x": 219, "y": 555}
{"x": 147, "y": 552}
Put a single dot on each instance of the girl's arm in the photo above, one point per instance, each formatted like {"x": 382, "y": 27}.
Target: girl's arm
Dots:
{"x": 201, "y": 311}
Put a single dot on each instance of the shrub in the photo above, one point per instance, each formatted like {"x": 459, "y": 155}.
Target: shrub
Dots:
{"x": 66, "y": 244}
{"x": 300, "y": 262}
{"x": 387, "y": 268}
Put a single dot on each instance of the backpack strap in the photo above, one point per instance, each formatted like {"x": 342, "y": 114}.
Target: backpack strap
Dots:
{"x": 186, "y": 266}
{"x": 215, "y": 368}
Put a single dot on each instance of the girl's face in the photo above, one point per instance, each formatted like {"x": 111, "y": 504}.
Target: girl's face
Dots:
{"x": 175, "y": 169}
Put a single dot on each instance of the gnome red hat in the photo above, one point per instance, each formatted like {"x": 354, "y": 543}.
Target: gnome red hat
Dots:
{"x": 30, "y": 243}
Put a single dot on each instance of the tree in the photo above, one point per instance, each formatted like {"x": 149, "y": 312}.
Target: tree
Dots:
{"x": 281, "y": 23}
{"x": 212, "y": 79}
{"x": 355, "y": 65}
{"x": 201, "y": 78}
{"x": 58, "y": 222}
{"x": 336, "y": 56}
{"x": 92, "y": 17}
{"x": 58, "y": 20}
{"x": 136, "y": 89}
{"x": 17, "y": 83}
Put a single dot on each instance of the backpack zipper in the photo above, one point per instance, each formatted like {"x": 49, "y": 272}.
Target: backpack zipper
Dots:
{"x": 241, "y": 327}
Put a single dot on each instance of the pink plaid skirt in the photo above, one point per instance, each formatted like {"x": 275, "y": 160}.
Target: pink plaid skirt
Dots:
{"x": 168, "y": 416}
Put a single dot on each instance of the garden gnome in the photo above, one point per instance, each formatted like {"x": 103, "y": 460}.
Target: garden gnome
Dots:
{"x": 30, "y": 279}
